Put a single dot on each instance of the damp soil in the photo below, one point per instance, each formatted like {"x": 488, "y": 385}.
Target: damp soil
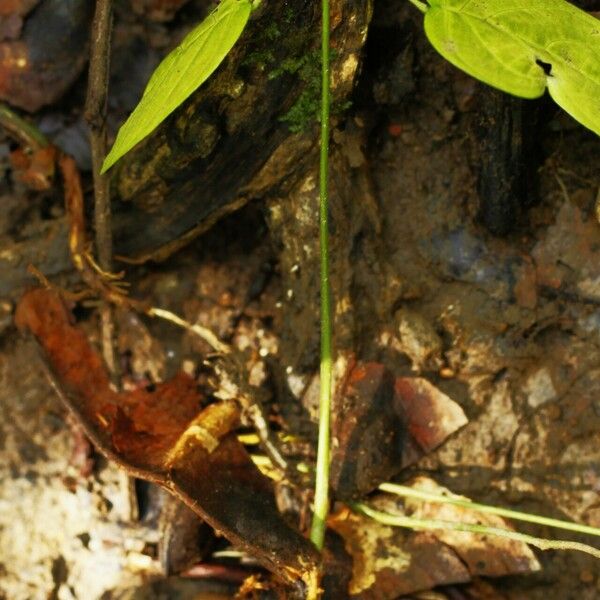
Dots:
{"x": 498, "y": 305}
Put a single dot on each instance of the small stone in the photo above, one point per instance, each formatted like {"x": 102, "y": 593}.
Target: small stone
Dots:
{"x": 419, "y": 340}
{"x": 539, "y": 388}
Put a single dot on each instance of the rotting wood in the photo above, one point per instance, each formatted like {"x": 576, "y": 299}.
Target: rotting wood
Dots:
{"x": 505, "y": 156}
{"x": 231, "y": 142}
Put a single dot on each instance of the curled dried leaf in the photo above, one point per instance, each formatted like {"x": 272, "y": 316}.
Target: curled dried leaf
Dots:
{"x": 165, "y": 435}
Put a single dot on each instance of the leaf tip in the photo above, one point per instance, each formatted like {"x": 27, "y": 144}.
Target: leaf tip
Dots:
{"x": 108, "y": 162}
{"x": 105, "y": 167}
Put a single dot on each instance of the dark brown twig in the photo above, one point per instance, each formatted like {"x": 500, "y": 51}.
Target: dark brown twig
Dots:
{"x": 95, "y": 114}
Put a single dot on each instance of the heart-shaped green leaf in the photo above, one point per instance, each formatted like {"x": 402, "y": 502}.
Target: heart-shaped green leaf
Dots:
{"x": 181, "y": 73}
{"x": 523, "y": 47}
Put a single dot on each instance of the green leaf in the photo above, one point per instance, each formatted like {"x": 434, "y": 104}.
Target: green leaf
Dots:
{"x": 181, "y": 73}
{"x": 523, "y": 47}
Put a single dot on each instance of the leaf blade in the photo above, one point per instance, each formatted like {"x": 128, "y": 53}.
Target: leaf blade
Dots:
{"x": 181, "y": 73}
{"x": 501, "y": 42}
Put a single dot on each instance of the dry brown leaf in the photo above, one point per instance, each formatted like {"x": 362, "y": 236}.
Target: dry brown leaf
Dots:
{"x": 484, "y": 555}
{"x": 165, "y": 436}
{"x": 389, "y": 561}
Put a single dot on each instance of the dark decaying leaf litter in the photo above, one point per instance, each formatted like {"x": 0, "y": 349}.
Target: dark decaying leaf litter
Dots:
{"x": 454, "y": 298}
{"x": 382, "y": 424}
{"x": 166, "y": 437}
{"x": 389, "y": 562}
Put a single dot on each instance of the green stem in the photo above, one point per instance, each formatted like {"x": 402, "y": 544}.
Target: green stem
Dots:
{"x": 321, "y": 507}
{"x": 420, "y": 5}
{"x": 432, "y": 525}
{"x": 19, "y": 128}
{"x": 408, "y": 492}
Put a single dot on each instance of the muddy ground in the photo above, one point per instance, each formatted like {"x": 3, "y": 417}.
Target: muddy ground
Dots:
{"x": 508, "y": 326}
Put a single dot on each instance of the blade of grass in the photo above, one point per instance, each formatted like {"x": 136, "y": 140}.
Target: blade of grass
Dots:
{"x": 408, "y": 492}
{"x": 432, "y": 524}
{"x": 321, "y": 506}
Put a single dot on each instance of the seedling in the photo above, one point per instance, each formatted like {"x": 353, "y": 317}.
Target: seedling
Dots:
{"x": 521, "y": 47}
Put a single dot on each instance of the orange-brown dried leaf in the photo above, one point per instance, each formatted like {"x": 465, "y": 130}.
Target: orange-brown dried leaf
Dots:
{"x": 166, "y": 436}
{"x": 73, "y": 360}
{"x": 36, "y": 169}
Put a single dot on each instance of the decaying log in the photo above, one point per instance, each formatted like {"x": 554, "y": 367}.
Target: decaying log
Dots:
{"x": 233, "y": 140}
{"x": 249, "y": 132}
{"x": 506, "y": 160}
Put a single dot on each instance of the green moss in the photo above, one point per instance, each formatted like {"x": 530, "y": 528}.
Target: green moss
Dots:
{"x": 307, "y": 108}
{"x": 261, "y": 59}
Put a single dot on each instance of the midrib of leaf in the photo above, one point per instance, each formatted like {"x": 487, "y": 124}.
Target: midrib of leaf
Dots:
{"x": 184, "y": 73}
{"x": 187, "y": 42}
{"x": 491, "y": 50}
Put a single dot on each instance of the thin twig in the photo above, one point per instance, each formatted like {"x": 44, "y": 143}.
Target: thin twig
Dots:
{"x": 107, "y": 286}
{"x": 95, "y": 114}
{"x": 202, "y": 332}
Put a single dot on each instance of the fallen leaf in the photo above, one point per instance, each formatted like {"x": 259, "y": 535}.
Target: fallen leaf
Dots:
{"x": 484, "y": 555}
{"x": 368, "y": 434}
{"x": 389, "y": 561}
{"x": 165, "y": 436}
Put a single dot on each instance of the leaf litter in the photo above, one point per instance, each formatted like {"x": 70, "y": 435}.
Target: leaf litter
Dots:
{"x": 389, "y": 561}
{"x": 165, "y": 436}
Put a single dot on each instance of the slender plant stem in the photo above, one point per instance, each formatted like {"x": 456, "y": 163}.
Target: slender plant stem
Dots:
{"x": 408, "y": 492}
{"x": 321, "y": 507}
{"x": 202, "y": 332}
{"x": 433, "y": 524}
{"x": 420, "y": 5}
{"x": 95, "y": 113}
{"x": 20, "y": 129}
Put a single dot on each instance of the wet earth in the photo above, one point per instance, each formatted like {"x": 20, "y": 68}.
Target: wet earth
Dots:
{"x": 498, "y": 309}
